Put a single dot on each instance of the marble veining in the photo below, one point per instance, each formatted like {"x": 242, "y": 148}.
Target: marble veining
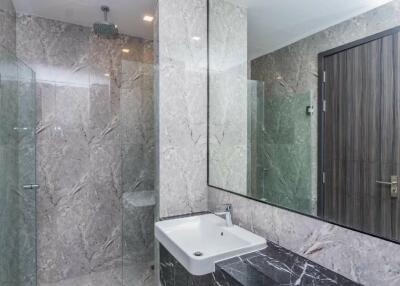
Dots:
{"x": 281, "y": 267}
{"x": 94, "y": 143}
{"x": 228, "y": 108}
{"x": 271, "y": 266}
{"x": 281, "y": 163}
{"x": 17, "y": 206}
{"x": 293, "y": 69}
{"x": 181, "y": 109}
{"x": 361, "y": 258}
{"x": 8, "y": 25}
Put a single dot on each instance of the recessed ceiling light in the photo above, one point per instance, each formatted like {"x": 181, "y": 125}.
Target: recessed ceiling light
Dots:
{"x": 196, "y": 38}
{"x": 148, "y": 18}
{"x": 126, "y": 51}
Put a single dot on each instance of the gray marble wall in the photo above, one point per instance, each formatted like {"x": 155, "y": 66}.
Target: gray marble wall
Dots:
{"x": 293, "y": 69}
{"x": 7, "y": 27}
{"x": 228, "y": 114}
{"x": 362, "y": 258}
{"x": 181, "y": 106}
{"x": 94, "y": 142}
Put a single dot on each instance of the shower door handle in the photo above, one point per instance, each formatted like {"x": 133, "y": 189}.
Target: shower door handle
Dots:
{"x": 30, "y": 187}
{"x": 393, "y": 186}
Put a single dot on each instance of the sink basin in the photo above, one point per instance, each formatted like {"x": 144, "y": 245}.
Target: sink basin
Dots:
{"x": 198, "y": 242}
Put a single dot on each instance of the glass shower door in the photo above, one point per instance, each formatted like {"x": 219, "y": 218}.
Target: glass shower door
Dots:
{"x": 27, "y": 175}
{"x": 17, "y": 172}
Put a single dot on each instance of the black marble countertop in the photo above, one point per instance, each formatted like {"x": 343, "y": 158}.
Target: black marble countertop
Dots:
{"x": 276, "y": 265}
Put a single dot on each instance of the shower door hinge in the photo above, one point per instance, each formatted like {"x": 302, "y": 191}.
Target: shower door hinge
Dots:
{"x": 323, "y": 178}
{"x": 324, "y": 76}
{"x": 324, "y": 105}
{"x": 30, "y": 187}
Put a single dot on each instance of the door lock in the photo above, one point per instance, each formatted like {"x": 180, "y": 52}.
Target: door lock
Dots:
{"x": 393, "y": 186}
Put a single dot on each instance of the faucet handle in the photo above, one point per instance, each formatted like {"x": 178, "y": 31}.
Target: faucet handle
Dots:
{"x": 226, "y": 207}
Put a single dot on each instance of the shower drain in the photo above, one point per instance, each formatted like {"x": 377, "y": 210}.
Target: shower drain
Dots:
{"x": 198, "y": 253}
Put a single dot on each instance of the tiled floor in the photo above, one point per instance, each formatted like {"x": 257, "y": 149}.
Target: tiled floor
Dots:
{"x": 138, "y": 274}
{"x": 110, "y": 277}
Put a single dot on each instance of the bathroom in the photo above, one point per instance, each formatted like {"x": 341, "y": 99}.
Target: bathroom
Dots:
{"x": 199, "y": 142}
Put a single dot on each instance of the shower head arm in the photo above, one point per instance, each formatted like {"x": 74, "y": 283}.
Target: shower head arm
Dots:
{"x": 105, "y": 10}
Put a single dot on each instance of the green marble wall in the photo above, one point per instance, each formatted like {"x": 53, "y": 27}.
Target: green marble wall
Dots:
{"x": 282, "y": 131}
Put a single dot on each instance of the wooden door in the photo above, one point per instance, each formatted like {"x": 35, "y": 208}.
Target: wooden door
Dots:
{"x": 360, "y": 134}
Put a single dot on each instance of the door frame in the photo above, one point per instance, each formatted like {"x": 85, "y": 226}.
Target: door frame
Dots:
{"x": 321, "y": 112}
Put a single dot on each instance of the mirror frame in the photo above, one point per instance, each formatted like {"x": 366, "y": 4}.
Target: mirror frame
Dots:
{"x": 319, "y": 128}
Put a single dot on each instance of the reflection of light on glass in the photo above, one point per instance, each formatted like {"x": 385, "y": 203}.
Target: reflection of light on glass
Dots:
{"x": 148, "y": 18}
{"x": 76, "y": 76}
{"x": 196, "y": 38}
{"x": 57, "y": 128}
{"x": 378, "y": 2}
{"x": 21, "y": 128}
{"x": 126, "y": 51}
{"x": 107, "y": 74}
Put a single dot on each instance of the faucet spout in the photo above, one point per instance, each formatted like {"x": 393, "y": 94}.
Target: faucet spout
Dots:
{"x": 226, "y": 215}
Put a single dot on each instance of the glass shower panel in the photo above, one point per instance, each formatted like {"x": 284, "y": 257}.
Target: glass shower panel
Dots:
{"x": 138, "y": 201}
{"x": 283, "y": 151}
{"x": 17, "y": 168}
{"x": 8, "y": 168}
{"x": 26, "y": 175}
{"x": 255, "y": 95}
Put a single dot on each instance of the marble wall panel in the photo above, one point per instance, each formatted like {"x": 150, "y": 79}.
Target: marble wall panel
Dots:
{"x": 56, "y": 51}
{"x": 8, "y": 25}
{"x": 181, "y": 106}
{"x": 137, "y": 126}
{"x": 228, "y": 107}
{"x": 81, "y": 148}
{"x": 359, "y": 257}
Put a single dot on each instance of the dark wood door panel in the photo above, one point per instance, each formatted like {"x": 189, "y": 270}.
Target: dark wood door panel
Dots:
{"x": 361, "y": 136}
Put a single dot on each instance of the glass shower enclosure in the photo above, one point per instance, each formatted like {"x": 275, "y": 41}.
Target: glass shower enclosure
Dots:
{"x": 17, "y": 172}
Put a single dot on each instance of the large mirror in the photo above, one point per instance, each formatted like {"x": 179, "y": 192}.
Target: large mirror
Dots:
{"x": 304, "y": 107}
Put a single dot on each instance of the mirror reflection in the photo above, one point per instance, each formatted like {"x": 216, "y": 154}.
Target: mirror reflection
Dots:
{"x": 304, "y": 106}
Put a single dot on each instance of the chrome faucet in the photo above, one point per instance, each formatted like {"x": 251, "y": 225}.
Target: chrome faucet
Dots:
{"x": 226, "y": 214}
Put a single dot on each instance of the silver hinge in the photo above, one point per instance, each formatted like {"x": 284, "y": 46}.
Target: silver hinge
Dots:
{"x": 323, "y": 178}
{"x": 30, "y": 187}
{"x": 324, "y": 76}
{"x": 324, "y": 105}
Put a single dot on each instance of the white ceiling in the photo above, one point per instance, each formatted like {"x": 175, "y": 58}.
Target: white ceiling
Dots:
{"x": 127, "y": 14}
{"x": 272, "y": 24}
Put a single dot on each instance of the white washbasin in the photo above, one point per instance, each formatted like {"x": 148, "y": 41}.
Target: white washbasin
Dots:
{"x": 207, "y": 234}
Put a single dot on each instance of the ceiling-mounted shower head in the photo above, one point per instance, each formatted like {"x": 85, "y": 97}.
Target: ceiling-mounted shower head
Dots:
{"x": 105, "y": 28}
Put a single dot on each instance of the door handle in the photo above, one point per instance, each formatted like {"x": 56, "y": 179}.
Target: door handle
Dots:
{"x": 393, "y": 186}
